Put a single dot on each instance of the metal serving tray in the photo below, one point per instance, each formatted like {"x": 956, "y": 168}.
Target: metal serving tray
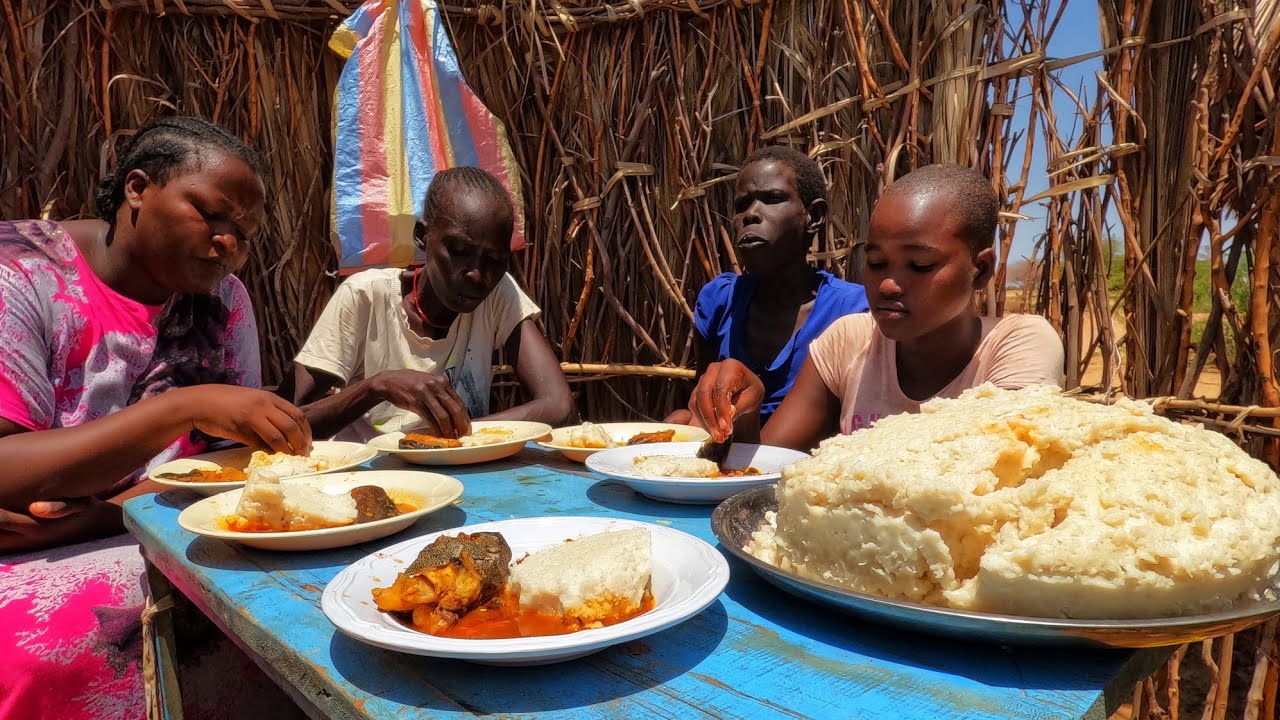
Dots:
{"x": 735, "y": 519}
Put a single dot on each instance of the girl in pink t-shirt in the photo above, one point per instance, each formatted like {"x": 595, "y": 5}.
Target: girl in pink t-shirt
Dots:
{"x": 929, "y": 249}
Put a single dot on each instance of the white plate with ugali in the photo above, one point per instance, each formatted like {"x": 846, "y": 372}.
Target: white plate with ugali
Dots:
{"x": 415, "y": 493}
{"x": 664, "y": 471}
{"x": 687, "y": 575}
{"x": 326, "y": 456}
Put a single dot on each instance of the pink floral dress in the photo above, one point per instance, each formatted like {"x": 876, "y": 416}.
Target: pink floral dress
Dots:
{"x": 73, "y": 350}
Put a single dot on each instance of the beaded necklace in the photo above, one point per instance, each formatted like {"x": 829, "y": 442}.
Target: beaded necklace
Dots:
{"x": 417, "y": 303}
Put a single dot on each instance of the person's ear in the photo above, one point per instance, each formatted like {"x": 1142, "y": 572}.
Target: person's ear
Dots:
{"x": 817, "y": 212}
{"x": 135, "y": 183}
{"x": 985, "y": 262}
{"x": 420, "y": 234}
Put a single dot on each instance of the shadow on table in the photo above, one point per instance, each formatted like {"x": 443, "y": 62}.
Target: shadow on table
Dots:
{"x": 617, "y": 496}
{"x": 177, "y": 499}
{"x": 608, "y": 676}
{"x": 226, "y": 555}
{"x": 1027, "y": 668}
{"x": 393, "y": 462}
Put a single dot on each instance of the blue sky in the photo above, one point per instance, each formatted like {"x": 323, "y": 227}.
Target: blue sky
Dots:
{"x": 1076, "y": 34}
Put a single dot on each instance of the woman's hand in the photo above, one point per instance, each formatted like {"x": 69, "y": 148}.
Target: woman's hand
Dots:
{"x": 431, "y": 397}
{"x": 18, "y": 532}
{"x": 58, "y": 522}
{"x": 726, "y": 391}
{"x": 256, "y": 418}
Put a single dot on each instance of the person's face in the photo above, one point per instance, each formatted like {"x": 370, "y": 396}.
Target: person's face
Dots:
{"x": 468, "y": 247}
{"x": 771, "y": 224}
{"x": 196, "y": 228}
{"x": 919, "y": 273}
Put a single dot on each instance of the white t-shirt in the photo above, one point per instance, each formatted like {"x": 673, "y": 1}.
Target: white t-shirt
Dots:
{"x": 364, "y": 330}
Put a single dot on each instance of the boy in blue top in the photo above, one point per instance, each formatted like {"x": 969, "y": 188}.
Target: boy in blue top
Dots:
{"x": 766, "y": 317}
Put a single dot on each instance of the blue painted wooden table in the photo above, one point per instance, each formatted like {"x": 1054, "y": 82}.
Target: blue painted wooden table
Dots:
{"x": 754, "y": 653}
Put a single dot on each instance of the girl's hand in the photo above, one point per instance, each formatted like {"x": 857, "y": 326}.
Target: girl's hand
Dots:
{"x": 256, "y": 418}
{"x": 724, "y": 392}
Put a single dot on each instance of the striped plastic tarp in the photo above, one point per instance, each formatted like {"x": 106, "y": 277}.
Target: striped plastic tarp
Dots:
{"x": 403, "y": 113}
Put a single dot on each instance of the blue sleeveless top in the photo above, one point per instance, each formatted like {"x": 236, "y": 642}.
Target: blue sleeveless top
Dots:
{"x": 720, "y": 317}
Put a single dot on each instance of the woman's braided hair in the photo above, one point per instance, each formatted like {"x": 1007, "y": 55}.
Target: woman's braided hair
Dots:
{"x": 162, "y": 147}
{"x": 449, "y": 183}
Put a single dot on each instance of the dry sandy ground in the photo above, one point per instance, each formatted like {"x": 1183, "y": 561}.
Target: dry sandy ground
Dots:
{"x": 1209, "y": 385}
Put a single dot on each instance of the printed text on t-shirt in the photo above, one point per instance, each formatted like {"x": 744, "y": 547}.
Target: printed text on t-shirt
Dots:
{"x": 856, "y": 422}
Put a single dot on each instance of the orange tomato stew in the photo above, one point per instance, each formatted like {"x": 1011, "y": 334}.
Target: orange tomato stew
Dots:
{"x": 503, "y": 618}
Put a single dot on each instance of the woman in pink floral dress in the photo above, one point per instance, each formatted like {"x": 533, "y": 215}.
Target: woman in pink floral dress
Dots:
{"x": 123, "y": 342}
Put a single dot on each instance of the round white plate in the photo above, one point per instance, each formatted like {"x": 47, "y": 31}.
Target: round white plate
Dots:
{"x": 428, "y": 491}
{"x": 524, "y": 432}
{"x": 343, "y": 456}
{"x": 620, "y": 432}
{"x": 618, "y": 463}
{"x": 688, "y": 575}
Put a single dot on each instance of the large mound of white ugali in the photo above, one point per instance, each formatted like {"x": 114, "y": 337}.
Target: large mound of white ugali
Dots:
{"x": 1033, "y": 503}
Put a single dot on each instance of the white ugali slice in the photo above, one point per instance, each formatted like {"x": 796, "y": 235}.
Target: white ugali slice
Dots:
{"x": 589, "y": 579}
{"x": 263, "y": 499}
{"x": 588, "y": 435}
{"x": 309, "y": 508}
{"x": 674, "y": 466}
{"x": 268, "y": 503}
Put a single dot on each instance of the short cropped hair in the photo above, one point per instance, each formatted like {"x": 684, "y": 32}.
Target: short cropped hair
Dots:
{"x": 966, "y": 192}
{"x": 809, "y": 180}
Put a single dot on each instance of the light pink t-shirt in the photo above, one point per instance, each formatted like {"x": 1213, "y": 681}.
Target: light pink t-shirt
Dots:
{"x": 859, "y": 365}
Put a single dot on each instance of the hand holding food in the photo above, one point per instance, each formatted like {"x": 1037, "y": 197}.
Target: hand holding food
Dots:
{"x": 725, "y": 391}
{"x": 256, "y": 418}
{"x": 430, "y": 396}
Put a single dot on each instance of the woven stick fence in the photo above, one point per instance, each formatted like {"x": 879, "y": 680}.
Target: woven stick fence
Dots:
{"x": 628, "y": 119}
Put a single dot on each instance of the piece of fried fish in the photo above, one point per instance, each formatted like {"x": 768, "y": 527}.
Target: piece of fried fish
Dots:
{"x": 450, "y": 577}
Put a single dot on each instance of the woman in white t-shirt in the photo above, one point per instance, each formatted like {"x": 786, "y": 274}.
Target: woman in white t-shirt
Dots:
{"x": 928, "y": 250}
{"x": 421, "y": 341}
